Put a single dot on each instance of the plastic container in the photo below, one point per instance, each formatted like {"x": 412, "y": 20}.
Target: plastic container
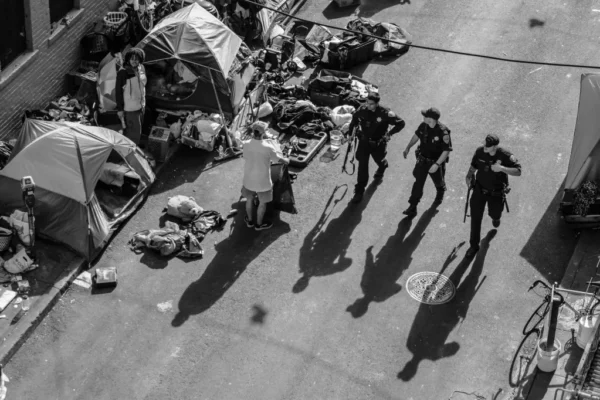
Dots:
{"x": 26, "y": 303}
{"x": 335, "y": 140}
{"x": 585, "y": 330}
{"x": 547, "y": 359}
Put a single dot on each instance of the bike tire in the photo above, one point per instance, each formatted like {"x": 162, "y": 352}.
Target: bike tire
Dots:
{"x": 523, "y": 359}
{"x": 541, "y": 289}
{"x": 536, "y": 318}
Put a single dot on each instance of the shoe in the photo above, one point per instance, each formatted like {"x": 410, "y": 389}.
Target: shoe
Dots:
{"x": 411, "y": 211}
{"x": 249, "y": 223}
{"x": 471, "y": 252}
{"x": 263, "y": 226}
{"x": 496, "y": 223}
{"x": 357, "y": 198}
{"x": 379, "y": 174}
{"x": 439, "y": 198}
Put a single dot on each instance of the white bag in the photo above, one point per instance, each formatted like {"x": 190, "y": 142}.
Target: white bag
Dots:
{"x": 20, "y": 222}
{"x": 265, "y": 109}
{"x": 342, "y": 115}
{"x": 19, "y": 263}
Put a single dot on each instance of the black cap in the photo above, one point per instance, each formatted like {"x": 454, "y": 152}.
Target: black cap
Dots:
{"x": 431, "y": 113}
{"x": 492, "y": 140}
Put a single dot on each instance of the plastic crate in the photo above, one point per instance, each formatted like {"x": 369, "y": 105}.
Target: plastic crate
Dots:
{"x": 159, "y": 141}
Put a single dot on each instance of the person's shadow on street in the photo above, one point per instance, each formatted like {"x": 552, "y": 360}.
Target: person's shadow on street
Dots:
{"x": 323, "y": 252}
{"x": 379, "y": 279}
{"x": 434, "y": 323}
{"x": 234, "y": 254}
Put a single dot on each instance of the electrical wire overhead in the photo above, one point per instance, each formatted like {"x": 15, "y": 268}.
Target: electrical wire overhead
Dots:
{"x": 462, "y": 53}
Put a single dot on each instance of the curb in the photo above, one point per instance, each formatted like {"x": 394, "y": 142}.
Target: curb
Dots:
{"x": 39, "y": 309}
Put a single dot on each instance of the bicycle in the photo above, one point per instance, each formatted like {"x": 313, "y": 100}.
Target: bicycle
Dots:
{"x": 544, "y": 291}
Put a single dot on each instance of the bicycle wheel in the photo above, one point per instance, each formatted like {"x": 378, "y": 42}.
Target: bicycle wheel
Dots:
{"x": 536, "y": 318}
{"x": 524, "y": 358}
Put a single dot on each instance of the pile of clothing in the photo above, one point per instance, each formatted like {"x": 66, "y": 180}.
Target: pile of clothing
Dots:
{"x": 387, "y": 30}
{"x": 65, "y": 108}
{"x": 179, "y": 239}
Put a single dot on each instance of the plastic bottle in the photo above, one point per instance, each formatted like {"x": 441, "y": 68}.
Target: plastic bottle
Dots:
{"x": 25, "y": 303}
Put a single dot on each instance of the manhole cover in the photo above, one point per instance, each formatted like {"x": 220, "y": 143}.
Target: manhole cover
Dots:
{"x": 430, "y": 288}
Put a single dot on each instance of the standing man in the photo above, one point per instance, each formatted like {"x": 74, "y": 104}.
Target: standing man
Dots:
{"x": 374, "y": 132}
{"x": 258, "y": 155}
{"x": 432, "y": 155}
{"x": 490, "y": 185}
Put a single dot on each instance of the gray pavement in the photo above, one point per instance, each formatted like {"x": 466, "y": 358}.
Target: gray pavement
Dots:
{"x": 317, "y": 307}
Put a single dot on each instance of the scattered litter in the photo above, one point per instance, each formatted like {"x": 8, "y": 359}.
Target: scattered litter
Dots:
{"x": 84, "y": 280}
{"x": 165, "y": 307}
{"x": 535, "y": 70}
{"x": 3, "y": 380}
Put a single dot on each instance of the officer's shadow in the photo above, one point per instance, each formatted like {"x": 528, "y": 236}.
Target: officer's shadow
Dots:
{"x": 381, "y": 273}
{"x": 323, "y": 252}
{"x": 434, "y": 323}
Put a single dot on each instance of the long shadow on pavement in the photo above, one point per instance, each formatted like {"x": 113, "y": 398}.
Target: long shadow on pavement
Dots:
{"x": 323, "y": 252}
{"x": 551, "y": 244}
{"x": 433, "y": 324}
{"x": 378, "y": 282}
{"x": 234, "y": 254}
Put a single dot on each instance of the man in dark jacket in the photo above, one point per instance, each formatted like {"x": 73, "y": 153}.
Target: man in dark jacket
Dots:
{"x": 432, "y": 155}
{"x": 373, "y": 122}
{"x": 493, "y": 164}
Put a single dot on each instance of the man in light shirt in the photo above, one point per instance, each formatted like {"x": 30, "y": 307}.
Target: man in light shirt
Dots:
{"x": 258, "y": 155}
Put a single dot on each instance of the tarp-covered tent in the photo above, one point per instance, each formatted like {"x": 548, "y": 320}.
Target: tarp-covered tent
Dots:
{"x": 584, "y": 163}
{"x": 66, "y": 161}
{"x": 210, "y": 50}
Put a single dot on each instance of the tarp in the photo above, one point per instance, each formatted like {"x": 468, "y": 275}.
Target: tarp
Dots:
{"x": 66, "y": 161}
{"x": 584, "y": 163}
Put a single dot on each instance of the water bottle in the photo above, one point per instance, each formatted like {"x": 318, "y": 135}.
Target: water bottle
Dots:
{"x": 25, "y": 303}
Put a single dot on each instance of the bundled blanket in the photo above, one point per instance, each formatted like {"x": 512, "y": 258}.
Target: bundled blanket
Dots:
{"x": 389, "y": 31}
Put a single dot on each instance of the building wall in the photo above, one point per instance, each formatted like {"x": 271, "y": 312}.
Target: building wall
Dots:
{"x": 44, "y": 78}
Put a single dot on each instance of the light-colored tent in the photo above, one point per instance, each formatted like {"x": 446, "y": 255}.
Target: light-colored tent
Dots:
{"x": 584, "y": 163}
{"x": 207, "y": 48}
{"x": 66, "y": 161}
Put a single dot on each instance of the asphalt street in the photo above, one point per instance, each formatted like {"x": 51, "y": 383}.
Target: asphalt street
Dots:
{"x": 317, "y": 307}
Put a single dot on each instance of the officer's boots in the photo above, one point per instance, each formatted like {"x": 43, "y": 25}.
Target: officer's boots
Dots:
{"x": 439, "y": 198}
{"x": 411, "y": 211}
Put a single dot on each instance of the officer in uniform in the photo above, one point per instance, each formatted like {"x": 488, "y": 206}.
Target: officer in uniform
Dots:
{"x": 490, "y": 185}
{"x": 374, "y": 132}
{"x": 432, "y": 155}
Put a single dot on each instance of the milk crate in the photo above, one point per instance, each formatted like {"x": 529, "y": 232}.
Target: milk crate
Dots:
{"x": 159, "y": 141}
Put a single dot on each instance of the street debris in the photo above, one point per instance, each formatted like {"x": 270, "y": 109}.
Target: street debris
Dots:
{"x": 84, "y": 280}
{"x": 165, "y": 307}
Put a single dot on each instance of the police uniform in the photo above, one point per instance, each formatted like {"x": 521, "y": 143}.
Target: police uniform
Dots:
{"x": 490, "y": 188}
{"x": 432, "y": 143}
{"x": 373, "y": 136}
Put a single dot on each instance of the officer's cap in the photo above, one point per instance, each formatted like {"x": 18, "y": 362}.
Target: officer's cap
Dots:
{"x": 431, "y": 113}
{"x": 492, "y": 140}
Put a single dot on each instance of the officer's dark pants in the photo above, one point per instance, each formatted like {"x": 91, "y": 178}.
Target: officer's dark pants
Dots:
{"x": 420, "y": 173}
{"x": 365, "y": 150}
{"x": 478, "y": 201}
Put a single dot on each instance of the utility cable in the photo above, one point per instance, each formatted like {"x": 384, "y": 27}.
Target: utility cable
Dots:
{"x": 462, "y": 53}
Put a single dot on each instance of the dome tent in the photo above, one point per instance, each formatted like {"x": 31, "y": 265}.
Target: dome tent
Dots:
{"x": 66, "y": 161}
{"x": 207, "y": 48}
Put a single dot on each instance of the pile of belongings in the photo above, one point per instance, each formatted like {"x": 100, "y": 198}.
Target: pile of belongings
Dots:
{"x": 348, "y": 90}
{"x": 14, "y": 236}
{"x": 181, "y": 236}
{"x": 5, "y": 151}
{"x": 63, "y": 109}
{"x": 390, "y": 31}
{"x": 302, "y": 115}
{"x": 201, "y": 126}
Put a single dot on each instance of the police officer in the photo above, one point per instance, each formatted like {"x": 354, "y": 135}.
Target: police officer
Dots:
{"x": 490, "y": 185}
{"x": 374, "y": 122}
{"x": 432, "y": 155}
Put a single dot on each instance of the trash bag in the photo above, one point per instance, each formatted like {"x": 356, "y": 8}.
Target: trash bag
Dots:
{"x": 283, "y": 195}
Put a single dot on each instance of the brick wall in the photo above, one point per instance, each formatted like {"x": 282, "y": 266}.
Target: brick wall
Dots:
{"x": 45, "y": 79}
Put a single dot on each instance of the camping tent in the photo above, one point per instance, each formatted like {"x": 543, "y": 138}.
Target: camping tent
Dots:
{"x": 207, "y": 48}
{"x": 66, "y": 161}
{"x": 584, "y": 163}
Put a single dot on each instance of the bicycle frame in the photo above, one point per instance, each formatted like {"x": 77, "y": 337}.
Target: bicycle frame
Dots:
{"x": 588, "y": 309}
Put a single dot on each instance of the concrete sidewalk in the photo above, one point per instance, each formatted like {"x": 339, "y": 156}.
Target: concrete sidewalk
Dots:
{"x": 538, "y": 385}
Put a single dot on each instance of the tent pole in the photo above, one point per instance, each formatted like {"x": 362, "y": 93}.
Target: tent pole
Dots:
{"x": 216, "y": 95}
